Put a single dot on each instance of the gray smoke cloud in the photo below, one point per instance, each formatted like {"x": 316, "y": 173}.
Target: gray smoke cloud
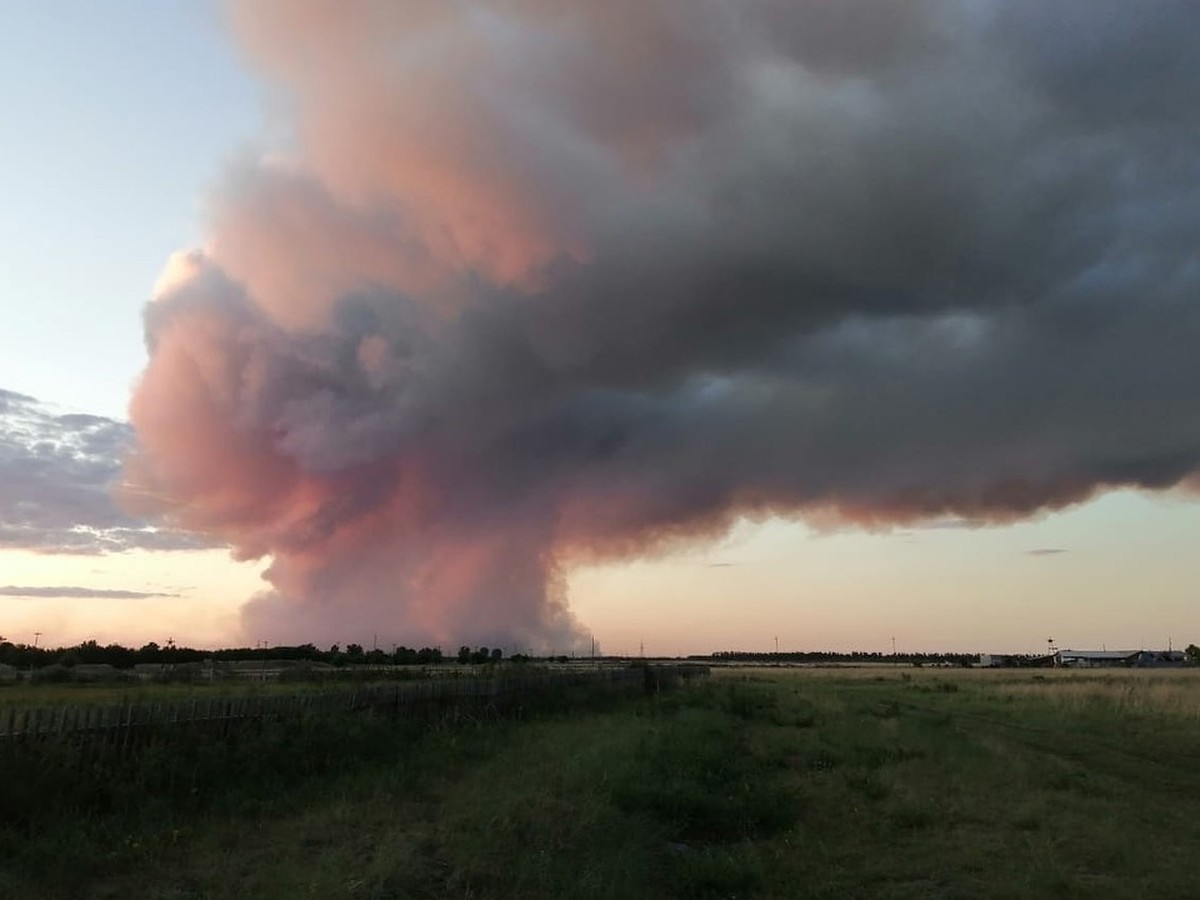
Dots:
{"x": 546, "y": 282}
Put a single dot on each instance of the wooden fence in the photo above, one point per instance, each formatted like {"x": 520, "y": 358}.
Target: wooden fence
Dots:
{"x": 120, "y": 725}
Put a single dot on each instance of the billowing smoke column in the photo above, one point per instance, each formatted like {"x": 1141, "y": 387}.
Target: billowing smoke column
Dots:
{"x": 538, "y": 282}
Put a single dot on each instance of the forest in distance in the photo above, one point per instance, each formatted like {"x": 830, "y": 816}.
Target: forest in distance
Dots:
{"x": 24, "y": 656}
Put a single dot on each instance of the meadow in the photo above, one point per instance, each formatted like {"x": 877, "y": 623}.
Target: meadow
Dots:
{"x": 26, "y": 694}
{"x": 821, "y": 783}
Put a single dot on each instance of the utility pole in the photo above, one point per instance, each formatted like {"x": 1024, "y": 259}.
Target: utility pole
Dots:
{"x": 776, "y": 645}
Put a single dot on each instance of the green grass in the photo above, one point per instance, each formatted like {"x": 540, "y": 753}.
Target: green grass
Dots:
{"x": 26, "y": 694}
{"x": 756, "y": 784}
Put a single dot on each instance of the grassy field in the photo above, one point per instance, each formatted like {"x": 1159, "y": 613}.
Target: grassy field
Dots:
{"x": 49, "y": 694}
{"x": 759, "y": 783}
{"x": 24, "y": 694}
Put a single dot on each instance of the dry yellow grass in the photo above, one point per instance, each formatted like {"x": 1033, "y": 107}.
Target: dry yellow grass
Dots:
{"x": 1163, "y": 692}
{"x": 1160, "y": 692}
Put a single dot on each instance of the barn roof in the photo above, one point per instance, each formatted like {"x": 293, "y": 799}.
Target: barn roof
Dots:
{"x": 1098, "y": 654}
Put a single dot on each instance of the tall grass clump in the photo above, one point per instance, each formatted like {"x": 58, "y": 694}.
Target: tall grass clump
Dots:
{"x": 1137, "y": 693}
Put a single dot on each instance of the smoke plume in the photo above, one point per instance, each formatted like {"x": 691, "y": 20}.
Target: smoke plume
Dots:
{"x": 534, "y": 282}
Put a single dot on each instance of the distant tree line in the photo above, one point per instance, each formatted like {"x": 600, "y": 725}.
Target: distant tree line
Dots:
{"x": 25, "y": 656}
{"x": 482, "y": 655}
{"x": 857, "y": 656}
{"x": 874, "y": 657}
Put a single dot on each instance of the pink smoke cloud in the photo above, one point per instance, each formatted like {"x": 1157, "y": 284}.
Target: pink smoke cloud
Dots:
{"x": 543, "y": 282}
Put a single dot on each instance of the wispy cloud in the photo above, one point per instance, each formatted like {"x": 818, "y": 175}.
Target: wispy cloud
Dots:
{"x": 1046, "y": 551}
{"x": 946, "y": 524}
{"x": 57, "y": 471}
{"x": 78, "y": 593}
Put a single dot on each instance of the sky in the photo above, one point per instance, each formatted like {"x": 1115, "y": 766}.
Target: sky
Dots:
{"x": 688, "y": 330}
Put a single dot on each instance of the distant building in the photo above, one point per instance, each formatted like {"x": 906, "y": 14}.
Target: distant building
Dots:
{"x": 192, "y": 671}
{"x": 1161, "y": 659}
{"x": 244, "y": 669}
{"x": 1015, "y": 661}
{"x": 1094, "y": 659}
{"x": 95, "y": 672}
{"x": 1107, "y": 659}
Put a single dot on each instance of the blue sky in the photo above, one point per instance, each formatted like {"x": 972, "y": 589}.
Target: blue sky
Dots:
{"x": 116, "y": 117}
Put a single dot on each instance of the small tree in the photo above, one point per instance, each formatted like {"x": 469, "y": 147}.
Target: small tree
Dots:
{"x": 497, "y": 654}
{"x": 1193, "y": 654}
{"x": 464, "y": 654}
{"x": 406, "y": 656}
